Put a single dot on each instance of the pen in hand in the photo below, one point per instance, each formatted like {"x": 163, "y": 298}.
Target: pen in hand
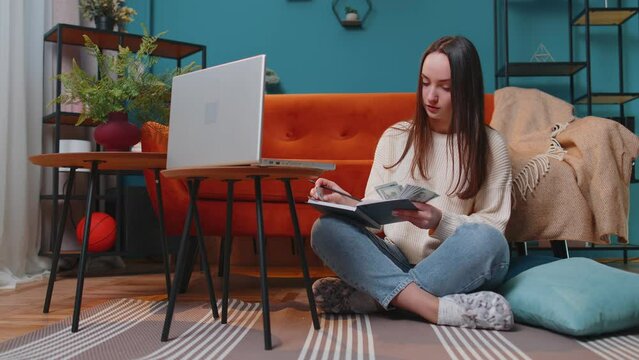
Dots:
{"x": 336, "y": 191}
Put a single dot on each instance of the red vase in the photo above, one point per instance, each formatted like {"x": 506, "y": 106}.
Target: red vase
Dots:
{"x": 117, "y": 134}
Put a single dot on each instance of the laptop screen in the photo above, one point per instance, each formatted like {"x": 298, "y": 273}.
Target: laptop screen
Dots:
{"x": 216, "y": 115}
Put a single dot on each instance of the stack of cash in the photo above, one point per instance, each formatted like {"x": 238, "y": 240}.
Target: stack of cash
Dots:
{"x": 392, "y": 190}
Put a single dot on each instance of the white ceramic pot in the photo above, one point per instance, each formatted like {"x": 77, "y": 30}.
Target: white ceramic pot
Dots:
{"x": 351, "y": 17}
{"x": 74, "y": 146}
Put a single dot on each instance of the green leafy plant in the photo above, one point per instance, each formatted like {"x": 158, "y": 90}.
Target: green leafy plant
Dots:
{"x": 350, "y": 10}
{"x": 114, "y": 9}
{"x": 126, "y": 84}
{"x": 271, "y": 77}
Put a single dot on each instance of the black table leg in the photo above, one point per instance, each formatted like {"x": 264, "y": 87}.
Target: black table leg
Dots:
{"x": 229, "y": 200}
{"x": 191, "y": 249}
{"x": 163, "y": 243}
{"x": 58, "y": 240}
{"x": 262, "y": 254}
{"x": 300, "y": 248}
{"x": 220, "y": 260}
{"x": 226, "y": 242}
{"x": 204, "y": 260}
{"x": 85, "y": 247}
{"x": 179, "y": 267}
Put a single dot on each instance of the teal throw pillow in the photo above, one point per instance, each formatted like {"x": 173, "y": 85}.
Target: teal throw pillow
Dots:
{"x": 520, "y": 264}
{"x": 575, "y": 296}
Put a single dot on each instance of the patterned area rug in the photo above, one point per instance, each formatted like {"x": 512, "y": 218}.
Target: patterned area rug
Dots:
{"x": 130, "y": 329}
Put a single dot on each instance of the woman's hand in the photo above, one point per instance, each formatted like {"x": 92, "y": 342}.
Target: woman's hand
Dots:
{"x": 322, "y": 192}
{"x": 425, "y": 217}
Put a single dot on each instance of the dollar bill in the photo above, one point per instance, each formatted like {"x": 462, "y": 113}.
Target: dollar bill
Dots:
{"x": 389, "y": 191}
{"x": 415, "y": 193}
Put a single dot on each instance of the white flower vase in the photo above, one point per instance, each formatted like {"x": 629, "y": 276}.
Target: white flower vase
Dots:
{"x": 352, "y": 17}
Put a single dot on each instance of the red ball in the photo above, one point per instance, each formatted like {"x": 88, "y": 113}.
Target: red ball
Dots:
{"x": 102, "y": 233}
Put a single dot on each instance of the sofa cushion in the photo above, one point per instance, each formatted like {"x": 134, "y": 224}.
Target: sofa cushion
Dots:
{"x": 575, "y": 296}
{"x": 334, "y": 126}
{"x": 330, "y": 126}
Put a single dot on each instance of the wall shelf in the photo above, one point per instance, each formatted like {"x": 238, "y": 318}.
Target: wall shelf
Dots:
{"x": 608, "y": 98}
{"x": 605, "y": 16}
{"x": 67, "y": 118}
{"x": 351, "y": 23}
{"x": 110, "y": 40}
{"x": 541, "y": 68}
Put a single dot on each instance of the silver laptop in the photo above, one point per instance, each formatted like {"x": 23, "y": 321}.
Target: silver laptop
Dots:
{"x": 216, "y": 118}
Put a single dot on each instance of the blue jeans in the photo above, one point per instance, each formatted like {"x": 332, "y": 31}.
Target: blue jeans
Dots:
{"x": 475, "y": 257}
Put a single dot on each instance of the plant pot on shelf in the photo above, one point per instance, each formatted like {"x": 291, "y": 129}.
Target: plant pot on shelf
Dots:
{"x": 117, "y": 134}
{"x": 104, "y": 23}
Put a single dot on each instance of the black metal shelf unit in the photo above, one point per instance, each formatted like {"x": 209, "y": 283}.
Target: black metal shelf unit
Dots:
{"x": 62, "y": 35}
{"x": 589, "y": 16}
{"x": 598, "y": 16}
{"x": 503, "y": 72}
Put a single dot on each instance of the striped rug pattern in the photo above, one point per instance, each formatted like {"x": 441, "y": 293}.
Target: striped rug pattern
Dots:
{"x": 477, "y": 344}
{"x": 130, "y": 329}
{"x": 614, "y": 347}
{"x": 344, "y": 336}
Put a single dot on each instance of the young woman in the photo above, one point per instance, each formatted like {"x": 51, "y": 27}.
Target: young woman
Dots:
{"x": 440, "y": 262}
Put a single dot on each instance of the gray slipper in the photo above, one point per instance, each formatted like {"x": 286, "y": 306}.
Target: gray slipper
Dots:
{"x": 335, "y": 296}
{"x": 483, "y": 310}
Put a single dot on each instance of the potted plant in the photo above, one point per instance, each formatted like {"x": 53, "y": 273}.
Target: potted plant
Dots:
{"x": 126, "y": 86}
{"x": 351, "y": 13}
{"x": 272, "y": 81}
{"x": 107, "y": 13}
{"x": 124, "y": 16}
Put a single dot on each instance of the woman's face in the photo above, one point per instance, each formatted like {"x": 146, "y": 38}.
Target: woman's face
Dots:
{"x": 436, "y": 90}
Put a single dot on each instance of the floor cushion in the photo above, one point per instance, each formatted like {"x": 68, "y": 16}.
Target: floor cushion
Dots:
{"x": 575, "y": 296}
{"x": 520, "y": 264}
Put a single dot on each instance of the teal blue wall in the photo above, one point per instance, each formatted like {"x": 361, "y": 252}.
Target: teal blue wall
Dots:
{"x": 313, "y": 53}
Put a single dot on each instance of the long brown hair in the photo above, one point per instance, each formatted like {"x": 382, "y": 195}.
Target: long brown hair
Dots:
{"x": 467, "y": 96}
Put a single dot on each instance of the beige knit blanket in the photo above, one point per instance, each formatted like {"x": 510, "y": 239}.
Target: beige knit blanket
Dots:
{"x": 570, "y": 175}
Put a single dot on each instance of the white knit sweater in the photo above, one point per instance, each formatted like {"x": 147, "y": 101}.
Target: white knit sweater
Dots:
{"x": 491, "y": 205}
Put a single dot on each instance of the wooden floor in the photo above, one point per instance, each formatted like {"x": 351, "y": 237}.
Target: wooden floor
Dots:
{"x": 21, "y": 308}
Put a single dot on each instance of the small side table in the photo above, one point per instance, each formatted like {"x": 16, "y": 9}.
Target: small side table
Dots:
{"x": 97, "y": 161}
{"x": 232, "y": 174}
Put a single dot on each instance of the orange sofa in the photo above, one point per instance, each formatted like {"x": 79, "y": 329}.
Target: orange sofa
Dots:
{"x": 343, "y": 128}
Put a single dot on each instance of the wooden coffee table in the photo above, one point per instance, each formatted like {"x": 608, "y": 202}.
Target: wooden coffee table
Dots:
{"x": 232, "y": 174}
{"x": 96, "y": 162}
